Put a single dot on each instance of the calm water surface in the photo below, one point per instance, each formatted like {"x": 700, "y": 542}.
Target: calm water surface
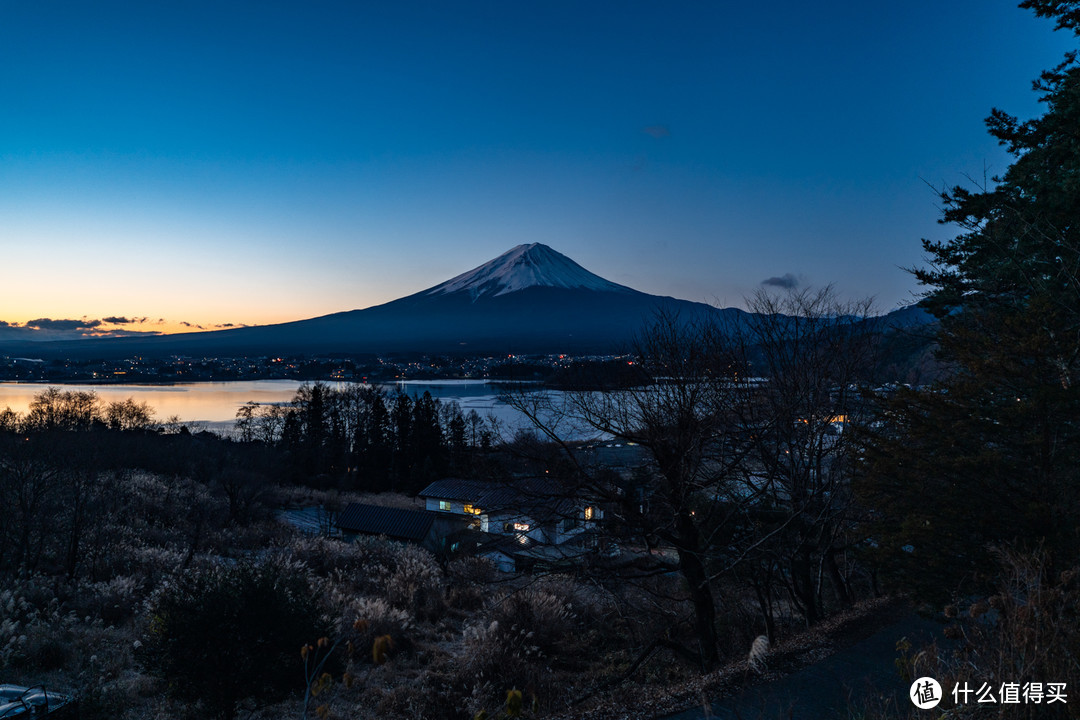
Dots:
{"x": 214, "y": 404}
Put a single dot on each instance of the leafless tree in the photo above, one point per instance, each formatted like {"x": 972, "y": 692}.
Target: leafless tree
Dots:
{"x": 813, "y": 355}
{"x": 255, "y": 421}
{"x": 742, "y": 426}
{"x": 128, "y": 415}
{"x": 55, "y": 409}
{"x": 672, "y": 512}
{"x": 28, "y": 494}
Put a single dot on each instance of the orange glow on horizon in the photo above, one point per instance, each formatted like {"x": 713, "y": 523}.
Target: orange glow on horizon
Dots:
{"x": 99, "y": 325}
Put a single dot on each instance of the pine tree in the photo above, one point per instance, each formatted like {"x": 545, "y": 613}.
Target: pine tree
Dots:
{"x": 989, "y": 456}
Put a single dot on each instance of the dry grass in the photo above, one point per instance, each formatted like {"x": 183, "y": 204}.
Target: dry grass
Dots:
{"x": 463, "y": 636}
{"x": 1028, "y": 631}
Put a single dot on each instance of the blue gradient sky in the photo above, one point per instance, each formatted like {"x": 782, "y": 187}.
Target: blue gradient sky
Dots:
{"x": 220, "y": 163}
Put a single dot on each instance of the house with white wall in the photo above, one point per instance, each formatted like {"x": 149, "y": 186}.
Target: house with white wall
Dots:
{"x": 535, "y": 512}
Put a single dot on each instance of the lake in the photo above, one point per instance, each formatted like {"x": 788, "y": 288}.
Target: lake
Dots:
{"x": 213, "y": 405}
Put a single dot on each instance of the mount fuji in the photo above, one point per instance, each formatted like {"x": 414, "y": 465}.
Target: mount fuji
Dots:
{"x": 530, "y": 299}
{"x": 523, "y": 267}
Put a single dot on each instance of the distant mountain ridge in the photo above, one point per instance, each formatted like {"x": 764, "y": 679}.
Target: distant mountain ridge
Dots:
{"x": 530, "y": 299}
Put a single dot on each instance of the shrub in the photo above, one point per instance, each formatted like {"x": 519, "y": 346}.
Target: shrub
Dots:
{"x": 544, "y": 615}
{"x": 415, "y": 584}
{"x": 407, "y": 576}
{"x": 364, "y": 620}
{"x": 468, "y": 579}
{"x": 32, "y": 637}
{"x": 225, "y": 633}
{"x": 501, "y": 655}
{"x": 114, "y": 601}
{"x": 471, "y": 571}
{"x": 512, "y": 648}
{"x": 1027, "y": 632}
{"x": 325, "y": 556}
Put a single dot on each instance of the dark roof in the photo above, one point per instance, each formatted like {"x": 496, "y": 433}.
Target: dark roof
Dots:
{"x": 395, "y": 523}
{"x": 538, "y": 496}
{"x": 457, "y": 489}
{"x": 310, "y": 520}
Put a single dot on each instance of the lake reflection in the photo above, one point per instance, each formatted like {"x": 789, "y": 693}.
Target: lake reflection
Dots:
{"x": 214, "y": 404}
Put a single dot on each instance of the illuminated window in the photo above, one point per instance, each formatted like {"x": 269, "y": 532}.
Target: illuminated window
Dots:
{"x": 471, "y": 510}
{"x": 589, "y": 513}
{"x": 444, "y": 505}
{"x": 521, "y": 527}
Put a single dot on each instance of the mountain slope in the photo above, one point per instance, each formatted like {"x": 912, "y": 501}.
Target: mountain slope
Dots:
{"x": 529, "y": 299}
{"x": 523, "y": 267}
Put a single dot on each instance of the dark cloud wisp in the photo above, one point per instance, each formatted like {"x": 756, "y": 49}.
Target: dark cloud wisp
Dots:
{"x": 787, "y": 281}
{"x": 63, "y": 325}
{"x": 69, "y": 329}
{"x": 119, "y": 320}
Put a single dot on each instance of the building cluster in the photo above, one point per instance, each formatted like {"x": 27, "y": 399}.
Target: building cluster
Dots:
{"x": 517, "y": 525}
{"x": 342, "y": 369}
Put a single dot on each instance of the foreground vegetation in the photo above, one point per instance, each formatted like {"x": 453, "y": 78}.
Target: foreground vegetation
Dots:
{"x": 142, "y": 568}
{"x": 172, "y": 609}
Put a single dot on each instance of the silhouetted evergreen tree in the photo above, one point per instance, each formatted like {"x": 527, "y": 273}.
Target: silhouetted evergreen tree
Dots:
{"x": 428, "y": 446}
{"x": 457, "y": 446}
{"x": 989, "y": 455}
{"x": 372, "y": 444}
{"x": 401, "y": 419}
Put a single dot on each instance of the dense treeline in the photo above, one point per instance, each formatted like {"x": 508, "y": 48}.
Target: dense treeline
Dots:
{"x": 59, "y": 488}
{"x": 356, "y": 437}
{"x": 56, "y": 409}
{"x": 59, "y": 461}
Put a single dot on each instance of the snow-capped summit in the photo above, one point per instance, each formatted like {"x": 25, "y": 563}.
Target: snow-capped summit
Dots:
{"x": 530, "y": 299}
{"x": 522, "y": 267}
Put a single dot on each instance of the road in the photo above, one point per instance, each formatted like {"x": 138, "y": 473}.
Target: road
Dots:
{"x": 863, "y": 672}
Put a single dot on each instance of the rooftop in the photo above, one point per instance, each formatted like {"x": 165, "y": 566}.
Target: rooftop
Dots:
{"x": 396, "y": 523}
